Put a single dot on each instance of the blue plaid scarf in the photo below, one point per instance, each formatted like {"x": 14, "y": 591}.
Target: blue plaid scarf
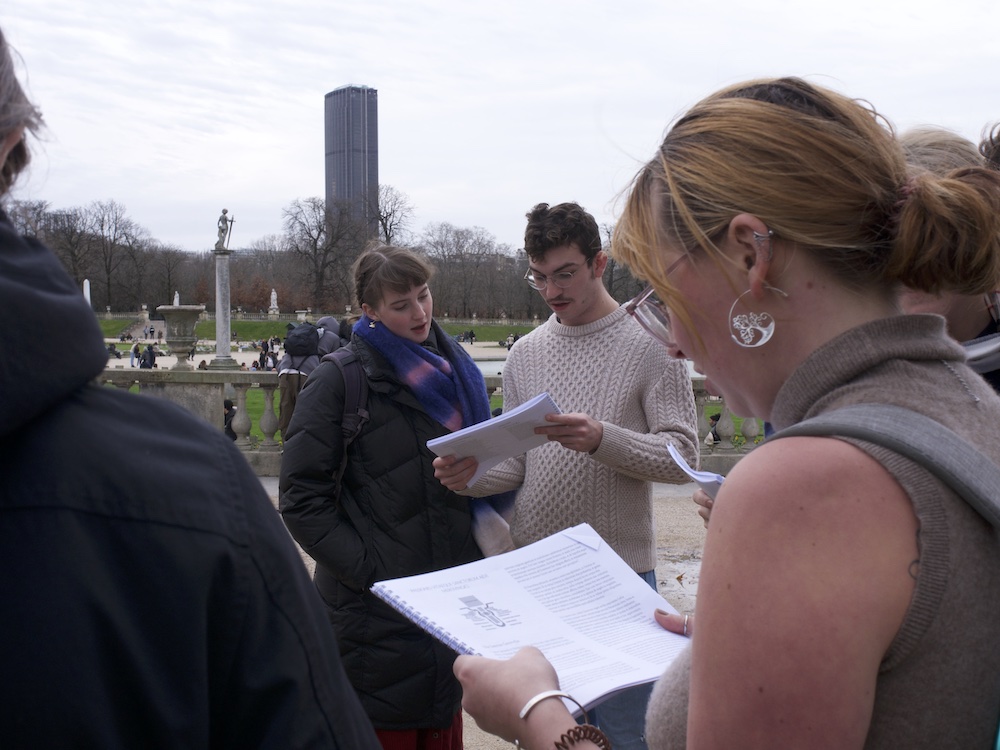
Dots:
{"x": 450, "y": 388}
{"x": 452, "y": 391}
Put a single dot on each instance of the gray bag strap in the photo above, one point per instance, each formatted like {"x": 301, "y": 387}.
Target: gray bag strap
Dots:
{"x": 941, "y": 451}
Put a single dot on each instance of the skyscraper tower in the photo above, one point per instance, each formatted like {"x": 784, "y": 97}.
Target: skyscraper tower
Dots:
{"x": 351, "y": 127}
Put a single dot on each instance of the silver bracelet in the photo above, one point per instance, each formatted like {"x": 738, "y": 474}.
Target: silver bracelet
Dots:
{"x": 550, "y": 694}
{"x": 542, "y": 696}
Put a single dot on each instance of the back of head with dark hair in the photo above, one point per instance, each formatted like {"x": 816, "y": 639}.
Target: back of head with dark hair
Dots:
{"x": 556, "y": 226}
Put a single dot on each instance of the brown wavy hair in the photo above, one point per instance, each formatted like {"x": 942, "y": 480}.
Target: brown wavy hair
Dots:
{"x": 381, "y": 268}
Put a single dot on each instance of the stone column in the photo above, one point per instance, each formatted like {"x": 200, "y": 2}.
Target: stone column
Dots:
{"x": 223, "y": 358}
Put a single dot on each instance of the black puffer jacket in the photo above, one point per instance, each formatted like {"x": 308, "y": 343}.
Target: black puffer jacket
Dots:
{"x": 151, "y": 596}
{"x": 393, "y": 519}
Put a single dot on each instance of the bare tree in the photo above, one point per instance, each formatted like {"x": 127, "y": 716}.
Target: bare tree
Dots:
{"x": 66, "y": 233}
{"x": 166, "y": 263}
{"x": 466, "y": 269}
{"x": 137, "y": 275}
{"x": 29, "y": 217}
{"x": 325, "y": 241}
{"x": 109, "y": 227}
{"x": 618, "y": 280}
{"x": 394, "y": 213}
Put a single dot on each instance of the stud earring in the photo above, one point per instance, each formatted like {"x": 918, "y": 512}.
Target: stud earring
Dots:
{"x": 751, "y": 330}
{"x": 371, "y": 323}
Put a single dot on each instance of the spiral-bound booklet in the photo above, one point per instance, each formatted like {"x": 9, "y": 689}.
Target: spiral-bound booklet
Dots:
{"x": 570, "y": 595}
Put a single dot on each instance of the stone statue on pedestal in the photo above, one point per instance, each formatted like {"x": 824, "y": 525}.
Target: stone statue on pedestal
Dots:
{"x": 225, "y": 224}
{"x": 274, "y": 299}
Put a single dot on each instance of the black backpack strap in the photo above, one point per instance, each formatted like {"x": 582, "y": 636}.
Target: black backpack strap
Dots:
{"x": 355, "y": 392}
{"x": 354, "y": 418}
{"x": 941, "y": 451}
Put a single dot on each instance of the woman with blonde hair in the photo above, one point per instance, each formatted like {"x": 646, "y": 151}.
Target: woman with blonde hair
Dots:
{"x": 847, "y": 597}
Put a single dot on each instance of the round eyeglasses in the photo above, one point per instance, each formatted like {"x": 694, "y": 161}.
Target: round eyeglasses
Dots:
{"x": 538, "y": 282}
{"x": 652, "y": 315}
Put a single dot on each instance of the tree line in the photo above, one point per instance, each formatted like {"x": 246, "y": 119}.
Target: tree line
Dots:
{"x": 308, "y": 264}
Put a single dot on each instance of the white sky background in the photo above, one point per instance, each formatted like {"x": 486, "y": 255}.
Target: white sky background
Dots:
{"x": 178, "y": 108}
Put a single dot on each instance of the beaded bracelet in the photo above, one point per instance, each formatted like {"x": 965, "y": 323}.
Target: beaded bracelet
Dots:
{"x": 578, "y": 733}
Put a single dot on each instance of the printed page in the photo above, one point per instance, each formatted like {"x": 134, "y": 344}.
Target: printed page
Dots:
{"x": 500, "y": 438}
{"x": 570, "y": 595}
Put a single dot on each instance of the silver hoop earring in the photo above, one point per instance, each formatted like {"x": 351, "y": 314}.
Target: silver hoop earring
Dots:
{"x": 751, "y": 330}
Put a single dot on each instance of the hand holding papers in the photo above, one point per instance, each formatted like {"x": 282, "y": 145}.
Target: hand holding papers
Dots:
{"x": 500, "y": 438}
{"x": 707, "y": 480}
{"x": 569, "y": 595}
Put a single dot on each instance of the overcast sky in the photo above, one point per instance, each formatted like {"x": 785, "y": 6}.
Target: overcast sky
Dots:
{"x": 178, "y": 108}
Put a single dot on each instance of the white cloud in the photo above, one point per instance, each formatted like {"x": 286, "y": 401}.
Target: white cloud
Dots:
{"x": 177, "y": 108}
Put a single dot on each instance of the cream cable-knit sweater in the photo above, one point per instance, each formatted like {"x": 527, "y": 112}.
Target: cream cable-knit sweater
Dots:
{"x": 611, "y": 370}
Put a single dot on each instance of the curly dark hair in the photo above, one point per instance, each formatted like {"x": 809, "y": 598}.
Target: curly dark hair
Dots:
{"x": 556, "y": 226}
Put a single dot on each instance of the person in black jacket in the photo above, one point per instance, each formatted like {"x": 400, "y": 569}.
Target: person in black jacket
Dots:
{"x": 150, "y": 594}
{"x": 227, "y": 418}
{"x": 388, "y": 516}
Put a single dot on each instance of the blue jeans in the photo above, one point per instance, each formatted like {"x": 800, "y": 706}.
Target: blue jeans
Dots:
{"x": 623, "y": 717}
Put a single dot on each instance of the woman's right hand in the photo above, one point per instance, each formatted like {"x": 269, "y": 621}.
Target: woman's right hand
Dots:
{"x": 494, "y": 692}
{"x": 702, "y": 499}
{"x": 455, "y": 473}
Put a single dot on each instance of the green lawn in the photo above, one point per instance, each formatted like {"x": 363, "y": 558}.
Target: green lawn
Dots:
{"x": 245, "y": 330}
{"x": 112, "y": 329}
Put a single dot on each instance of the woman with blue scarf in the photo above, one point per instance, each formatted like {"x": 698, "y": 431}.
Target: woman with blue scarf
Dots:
{"x": 388, "y": 516}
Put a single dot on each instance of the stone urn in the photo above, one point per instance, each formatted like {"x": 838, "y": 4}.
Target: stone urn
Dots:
{"x": 180, "y": 321}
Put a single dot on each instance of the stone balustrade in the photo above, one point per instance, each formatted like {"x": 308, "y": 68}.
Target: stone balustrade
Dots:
{"x": 203, "y": 391}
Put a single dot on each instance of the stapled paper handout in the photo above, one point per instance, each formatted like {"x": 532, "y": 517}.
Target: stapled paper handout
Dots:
{"x": 707, "y": 480}
{"x": 500, "y": 438}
